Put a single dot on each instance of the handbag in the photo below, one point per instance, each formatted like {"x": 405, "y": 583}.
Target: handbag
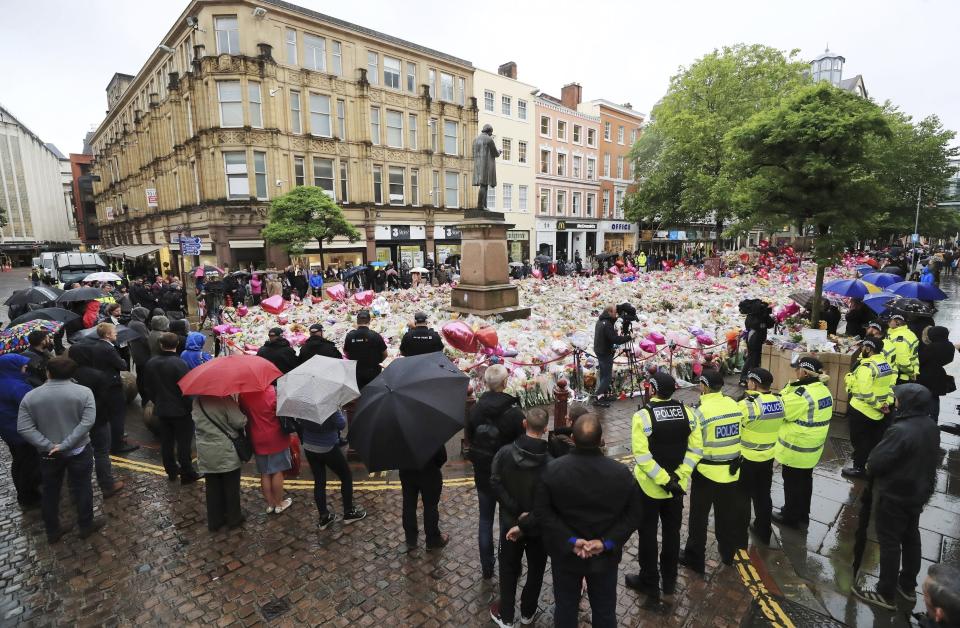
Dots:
{"x": 295, "y": 458}
{"x": 241, "y": 443}
{"x": 288, "y": 425}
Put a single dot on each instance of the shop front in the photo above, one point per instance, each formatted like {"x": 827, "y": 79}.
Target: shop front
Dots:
{"x": 446, "y": 242}
{"x": 338, "y": 254}
{"x": 249, "y": 254}
{"x": 575, "y": 238}
{"x": 618, "y": 236}
{"x": 518, "y": 245}
{"x": 546, "y": 238}
{"x": 401, "y": 243}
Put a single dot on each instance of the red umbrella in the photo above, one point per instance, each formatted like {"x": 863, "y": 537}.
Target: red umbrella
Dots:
{"x": 230, "y": 375}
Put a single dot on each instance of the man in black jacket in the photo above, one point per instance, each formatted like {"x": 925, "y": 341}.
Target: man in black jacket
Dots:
{"x": 587, "y": 506}
{"x": 605, "y": 339}
{"x": 107, "y": 359}
{"x": 367, "y": 347}
{"x": 514, "y": 477}
{"x": 495, "y": 420}
{"x": 40, "y": 352}
{"x": 903, "y": 468}
{"x": 420, "y": 339}
{"x": 277, "y": 350}
{"x": 316, "y": 344}
{"x": 173, "y": 410}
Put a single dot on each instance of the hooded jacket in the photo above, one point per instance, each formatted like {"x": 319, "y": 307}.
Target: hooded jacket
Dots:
{"x": 514, "y": 476}
{"x": 158, "y": 325}
{"x": 194, "y": 354}
{"x": 181, "y": 328}
{"x": 280, "y": 353}
{"x": 501, "y": 412}
{"x": 316, "y": 345}
{"x": 904, "y": 464}
{"x": 139, "y": 347}
{"x": 934, "y": 353}
{"x": 97, "y": 381}
{"x": 13, "y": 387}
{"x": 605, "y": 336}
{"x": 91, "y": 312}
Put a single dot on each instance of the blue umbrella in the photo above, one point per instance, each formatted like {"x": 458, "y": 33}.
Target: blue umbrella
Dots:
{"x": 848, "y": 287}
{"x": 882, "y": 279}
{"x": 915, "y": 290}
{"x": 878, "y": 302}
{"x": 865, "y": 268}
{"x": 378, "y": 264}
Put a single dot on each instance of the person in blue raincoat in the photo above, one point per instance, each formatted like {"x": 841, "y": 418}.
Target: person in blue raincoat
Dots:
{"x": 926, "y": 277}
{"x": 25, "y": 468}
{"x": 316, "y": 282}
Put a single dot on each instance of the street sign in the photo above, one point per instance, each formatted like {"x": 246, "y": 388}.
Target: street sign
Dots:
{"x": 151, "y": 197}
{"x": 915, "y": 238}
{"x": 190, "y": 245}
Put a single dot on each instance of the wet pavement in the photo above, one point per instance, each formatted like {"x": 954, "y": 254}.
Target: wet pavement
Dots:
{"x": 156, "y": 564}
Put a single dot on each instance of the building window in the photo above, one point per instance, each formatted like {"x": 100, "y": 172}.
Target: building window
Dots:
{"x": 415, "y": 187}
{"x": 341, "y": 119}
{"x": 435, "y": 190}
{"x": 391, "y": 72}
{"x": 619, "y": 206}
{"x": 449, "y": 137}
{"x": 522, "y": 197}
{"x": 591, "y": 201}
{"x": 323, "y": 175}
{"x": 196, "y": 179}
{"x": 314, "y": 53}
{"x": 620, "y": 167}
{"x": 561, "y": 164}
{"x": 620, "y": 135}
{"x": 320, "y": 115}
{"x": 299, "y": 172}
{"x": 577, "y": 162}
{"x": 561, "y": 202}
{"x": 373, "y": 68}
{"x": 633, "y": 136}
{"x": 228, "y": 34}
{"x": 231, "y": 103}
{"x": 375, "y": 125}
{"x": 433, "y": 83}
{"x": 260, "y": 174}
{"x": 545, "y": 126}
{"x": 451, "y": 189}
{"x": 606, "y": 131}
{"x": 591, "y": 137}
{"x": 561, "y": 130}
{"x": 461, "y": 90}
{"x": 337, "y": 58}
{"x": 295, "y": 120}
{"x": 487, "y": 100}
{"x": 544, "y": 161}
{"x": 395, "y": 176}
{"x": 343, "y": 183}
{"x": 591, "y": 169}
{"x": 577, "y": 133}
{"x": 412, "y": 131}
{"x": 507, "y": 145}
{"x": 378, "y": 185}
{"x": 394, "y": 129}
{"x": 291, "y": 46}
{"x": 491, "y": 197}
{"x": 412, "y": 77}
{"x": 544, "y": 200}
{"x": 433, "y": 134}
{"x": 522, "y": 109}
{"x": 606, "y": 164}
{"x": 521, "y": 152}
{"x": 189, "y": 110}
{"x": 606, "y": 203}
{"x": 575, "y": 203}
{"x": 507, "y": 196}
{"x": 173, "y": 133}
{"x": 446, "y": 87}
{"x": 256, "y": 106}
{"x": 235, "y": 168}
{"x": 506, "y": 105}
{"x": 176, "y": 185}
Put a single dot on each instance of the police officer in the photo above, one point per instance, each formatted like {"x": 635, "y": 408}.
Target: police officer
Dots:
{"x": 420, "y": 339}
{"x": 870, "y": 386}
{"x": 666, "y": 447}
{"x": 715, "y": 478}
{"x": 807, "y": 408}
{"x": 366, "y": 347}
{"x": 901, "y": 350}
{"x": 762, "y": 418}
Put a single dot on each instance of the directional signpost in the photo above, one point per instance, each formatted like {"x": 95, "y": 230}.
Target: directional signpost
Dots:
{"x": 189, "y": 245}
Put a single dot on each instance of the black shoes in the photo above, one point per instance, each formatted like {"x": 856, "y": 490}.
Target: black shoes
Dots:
{"x": 778, "y": 518}
{"x": 440, "y": 543}
{"x": 95, "y": 525}
{"x": 690, "y": 563}
{"x": 124, "y": 448}
{"x": 635, "y": 582}
{"x": 852, "y": 472}
{"x": 55, "y": 537}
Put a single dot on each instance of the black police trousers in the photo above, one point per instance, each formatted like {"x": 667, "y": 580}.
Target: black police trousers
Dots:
{"x": 726, "y": 500}
{"x": 669, "y": 514}
{"x": 755, "y": 481}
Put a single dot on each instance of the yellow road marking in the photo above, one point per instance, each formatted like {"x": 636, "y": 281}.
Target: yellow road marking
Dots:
{"x": 768, "y": 604}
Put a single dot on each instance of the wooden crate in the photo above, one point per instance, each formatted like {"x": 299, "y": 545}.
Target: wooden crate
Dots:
{"x": 836, "y": 365}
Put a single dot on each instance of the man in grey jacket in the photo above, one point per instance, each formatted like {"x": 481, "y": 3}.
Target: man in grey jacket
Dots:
{"x": 56, "y": 419}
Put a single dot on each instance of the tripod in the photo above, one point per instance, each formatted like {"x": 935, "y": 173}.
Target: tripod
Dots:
{"x": 577, "y": 388}
{"x": 636, "y": 377}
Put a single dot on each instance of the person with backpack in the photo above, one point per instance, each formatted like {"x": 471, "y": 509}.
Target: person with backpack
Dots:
{"x": 495, "y": 420}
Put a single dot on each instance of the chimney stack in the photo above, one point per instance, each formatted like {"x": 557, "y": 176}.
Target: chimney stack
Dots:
{"x": 508, "y": 69}
{"x": 570, "y": 95}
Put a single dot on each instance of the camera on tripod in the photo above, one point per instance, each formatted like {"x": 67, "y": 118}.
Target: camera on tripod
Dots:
{"x": 627, "y": 315}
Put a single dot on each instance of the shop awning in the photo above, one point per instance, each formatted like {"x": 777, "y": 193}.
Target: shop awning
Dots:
{"x": 130, "y": 251}
{"x": 115, "y": 251}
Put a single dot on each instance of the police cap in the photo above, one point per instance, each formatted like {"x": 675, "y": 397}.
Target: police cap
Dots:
{"x": 663, "y": 384}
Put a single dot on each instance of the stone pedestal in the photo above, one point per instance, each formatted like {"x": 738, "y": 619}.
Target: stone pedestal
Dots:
{"x": 484, "y": 288}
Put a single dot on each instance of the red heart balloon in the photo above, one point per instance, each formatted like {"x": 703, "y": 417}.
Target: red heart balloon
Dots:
{"x": 487, "y": 336}
{"x": 459, "y": 336}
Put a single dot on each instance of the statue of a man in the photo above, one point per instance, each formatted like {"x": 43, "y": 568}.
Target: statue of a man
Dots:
{"x": 485, "y": 154}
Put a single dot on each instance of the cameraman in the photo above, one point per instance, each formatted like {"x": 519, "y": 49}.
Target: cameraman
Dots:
{"x": 605, "y": 339}
{"x": 758, "y": 320}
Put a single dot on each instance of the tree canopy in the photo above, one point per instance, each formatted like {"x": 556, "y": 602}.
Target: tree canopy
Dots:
{"x": 303, "y": 215}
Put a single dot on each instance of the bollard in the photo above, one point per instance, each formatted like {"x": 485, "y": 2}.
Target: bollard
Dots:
{"x": 561, "y": 393}
{"x": 464, "y": 443}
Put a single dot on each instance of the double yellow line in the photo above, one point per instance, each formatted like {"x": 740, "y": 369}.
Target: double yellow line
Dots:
{"x": 769, "y": 606}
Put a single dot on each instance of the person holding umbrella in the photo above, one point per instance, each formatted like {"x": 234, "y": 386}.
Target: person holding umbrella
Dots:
{"x": 367, "y": 347}
{"x": 271, "y": 446}
{"x": 25, "y": 463}
{"x": 901, "y": 349}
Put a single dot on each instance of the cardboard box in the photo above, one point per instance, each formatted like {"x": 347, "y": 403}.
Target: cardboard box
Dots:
{"x": 836, "y": 365}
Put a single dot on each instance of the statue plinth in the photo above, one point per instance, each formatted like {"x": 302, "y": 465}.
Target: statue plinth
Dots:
{"x": 484, "y": 289}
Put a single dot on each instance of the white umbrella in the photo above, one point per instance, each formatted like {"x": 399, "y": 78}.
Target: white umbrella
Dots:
{"x": 419, "y": 270}
{"x": 103, "y": 276}
{"x": 317, "y": 388}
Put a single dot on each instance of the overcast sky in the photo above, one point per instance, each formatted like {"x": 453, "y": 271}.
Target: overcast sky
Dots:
{"x": 56, "y": 56}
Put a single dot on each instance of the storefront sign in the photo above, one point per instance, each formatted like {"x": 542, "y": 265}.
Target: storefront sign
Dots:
{"x": 678, "y": 235}
{"x": 151, "y": 197}
{"x": 108, "y": 211}
{"x": 620, "y": 226}
{"x": 399, "y": 232}
{"x": 662, "y": 235}
{"x": 516, "y": 236}
{"x": 451, "y": 233}
{"x": 563, "y": 225}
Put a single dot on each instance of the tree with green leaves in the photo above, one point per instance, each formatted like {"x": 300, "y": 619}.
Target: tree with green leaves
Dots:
{"x": 681, "y": 162}
{"x": 810, "y": 161}
{"x": 305, "y": 214}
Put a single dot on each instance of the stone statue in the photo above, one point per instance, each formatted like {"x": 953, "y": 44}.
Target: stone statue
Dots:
{"x": 485, "y": 154}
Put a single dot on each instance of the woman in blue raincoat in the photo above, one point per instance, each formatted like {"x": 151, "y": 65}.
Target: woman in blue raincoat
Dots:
{"x": 25, "y": 468}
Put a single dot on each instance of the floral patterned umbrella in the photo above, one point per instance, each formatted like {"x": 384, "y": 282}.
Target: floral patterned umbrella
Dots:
{"x": 14, "y": 339}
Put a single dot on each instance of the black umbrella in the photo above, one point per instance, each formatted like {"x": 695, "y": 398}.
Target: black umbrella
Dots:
{"x": 124, "y": 335}
{"x": 605, "y": 256}
{"x": 409, "y": 412}
{"x": 353, "y": 270}
{"x": 36, "y": 294}
{"x": 80, "y": 294}
{"x": 47, "y": 314}
{"x": 890, "y": 268}
{"x": 910, "y": 308}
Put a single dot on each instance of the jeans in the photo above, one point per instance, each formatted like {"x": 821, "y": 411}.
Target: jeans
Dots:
{"x": 898, "y": 531}
{"x": 488, "y": 506}
{"x": 755, "y": 481}
{"x": 865, "y": 434}
{"x": 427, "y": 484}
{"x": 669, "y": 514}
{"x": 25, "y": 471}
{"x": 223, "y": 499}
{"x": 176, "y": 440}
{"x": 79, "y": 472}
{"x": 729, "y": 527}
{"x": 511, "y": 566}
{"x": 601, "y": 588}
{"x": 100, "y": 441}
{"x": 604, "y": 374}
{"x": 797, "y": 493}
{"x": 338, "y": 464}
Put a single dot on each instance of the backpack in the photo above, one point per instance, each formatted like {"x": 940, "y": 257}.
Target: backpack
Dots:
{"x": 485, "y": 442}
